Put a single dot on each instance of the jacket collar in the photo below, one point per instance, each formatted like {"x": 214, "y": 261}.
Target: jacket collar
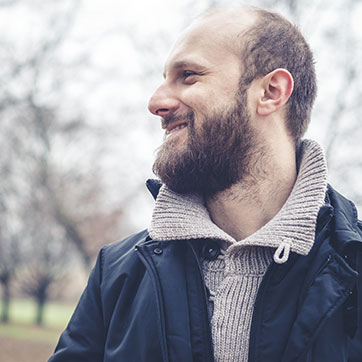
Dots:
{"x": 154, "y": 187}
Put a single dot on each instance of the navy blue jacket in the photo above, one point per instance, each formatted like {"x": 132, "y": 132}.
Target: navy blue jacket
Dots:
{"x": 146, "y": 301}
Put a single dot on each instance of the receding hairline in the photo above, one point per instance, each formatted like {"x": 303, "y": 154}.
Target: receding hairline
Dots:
{"x": 239, "y": 18}
{"x": 243, "y": 21}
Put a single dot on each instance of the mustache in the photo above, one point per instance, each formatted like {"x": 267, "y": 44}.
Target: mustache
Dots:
{"x": 189, "y": 117}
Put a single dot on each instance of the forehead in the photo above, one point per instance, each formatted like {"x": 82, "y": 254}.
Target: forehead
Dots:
{"x": 211, "y": 40}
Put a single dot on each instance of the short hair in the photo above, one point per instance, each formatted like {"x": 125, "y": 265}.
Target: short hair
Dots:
{"x": 273, "y": 42}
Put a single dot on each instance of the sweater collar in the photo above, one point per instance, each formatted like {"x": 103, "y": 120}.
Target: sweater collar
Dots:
{"x": 184, "y": 217}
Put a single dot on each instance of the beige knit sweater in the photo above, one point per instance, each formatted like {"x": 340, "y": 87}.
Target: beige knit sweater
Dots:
{"x": 234, "y": 277}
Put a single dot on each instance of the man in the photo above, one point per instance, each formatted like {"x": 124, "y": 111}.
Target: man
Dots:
{"x": 250, "y": 255}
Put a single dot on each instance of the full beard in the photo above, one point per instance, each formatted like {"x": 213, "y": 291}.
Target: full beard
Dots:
{"x": 218, "y": 155}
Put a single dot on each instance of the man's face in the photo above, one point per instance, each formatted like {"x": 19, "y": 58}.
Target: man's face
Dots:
{"x": 209, "y": 138}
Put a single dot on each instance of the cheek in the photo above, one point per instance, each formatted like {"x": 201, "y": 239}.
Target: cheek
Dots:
{"x": 200, "y": 101}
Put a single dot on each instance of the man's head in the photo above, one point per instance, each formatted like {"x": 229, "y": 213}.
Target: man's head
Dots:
{"x": 224, "y": 78}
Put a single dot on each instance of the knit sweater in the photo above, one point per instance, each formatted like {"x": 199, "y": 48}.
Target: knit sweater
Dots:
{"x": 234, "y": 277}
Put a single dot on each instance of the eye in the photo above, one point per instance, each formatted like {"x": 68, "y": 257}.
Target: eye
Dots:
{"x": 188, "y": 73}
{"x": 188, "y": 76}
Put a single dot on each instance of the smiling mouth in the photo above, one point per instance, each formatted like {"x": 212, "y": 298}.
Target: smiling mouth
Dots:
{"x": 173, "y": 127}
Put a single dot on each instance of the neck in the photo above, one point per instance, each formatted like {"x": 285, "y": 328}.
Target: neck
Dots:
{"x": 248, "y": 205}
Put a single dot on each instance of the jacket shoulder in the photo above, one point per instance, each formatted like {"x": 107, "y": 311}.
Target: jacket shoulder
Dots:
{"x": 119, "y": 261}
{"x": 110, "y": 253}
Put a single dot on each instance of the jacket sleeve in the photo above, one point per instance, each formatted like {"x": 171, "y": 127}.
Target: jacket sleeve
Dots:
{"x": 83, "y": 339}
{"x": 356, "y": 343}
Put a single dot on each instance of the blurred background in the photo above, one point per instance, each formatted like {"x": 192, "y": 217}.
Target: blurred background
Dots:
{"x": 77, "y": 141}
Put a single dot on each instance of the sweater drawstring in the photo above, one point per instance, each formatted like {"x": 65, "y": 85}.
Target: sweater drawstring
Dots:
{"x": 281, "y": 255}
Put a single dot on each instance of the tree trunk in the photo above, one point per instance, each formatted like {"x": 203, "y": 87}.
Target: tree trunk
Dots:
{"x": 5, "y": 301}
{"x": 40, "y": 311}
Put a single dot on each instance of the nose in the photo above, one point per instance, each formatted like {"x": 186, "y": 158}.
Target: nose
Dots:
{"x": 163, "y": 102}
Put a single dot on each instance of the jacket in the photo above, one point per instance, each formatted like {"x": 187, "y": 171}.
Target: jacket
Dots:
{"x": 146, "y": 301}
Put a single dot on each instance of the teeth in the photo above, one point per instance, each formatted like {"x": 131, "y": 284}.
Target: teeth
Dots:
{"x": 180, "y": 126}
{"x": 183, "y": 125}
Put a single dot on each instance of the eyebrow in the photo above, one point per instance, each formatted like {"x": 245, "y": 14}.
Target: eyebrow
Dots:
{"x": 185, "y": 64}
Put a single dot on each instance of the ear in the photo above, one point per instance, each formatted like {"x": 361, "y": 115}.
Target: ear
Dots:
{"x": 277, "y": 86}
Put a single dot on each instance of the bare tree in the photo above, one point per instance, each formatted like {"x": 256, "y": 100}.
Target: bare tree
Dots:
{"x": 12, "y": 192}
{"x": 46, "y": 253}
{"x": 48, "y": 166}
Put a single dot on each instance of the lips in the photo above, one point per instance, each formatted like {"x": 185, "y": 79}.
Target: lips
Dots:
{"x": 174, "y": 126}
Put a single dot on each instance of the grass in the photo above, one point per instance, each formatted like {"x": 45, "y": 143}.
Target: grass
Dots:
{"x": 56, "y": 315}
{"x": 22, "y": 316}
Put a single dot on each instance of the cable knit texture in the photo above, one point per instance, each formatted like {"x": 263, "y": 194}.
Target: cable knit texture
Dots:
{"x": 234, "y": 277}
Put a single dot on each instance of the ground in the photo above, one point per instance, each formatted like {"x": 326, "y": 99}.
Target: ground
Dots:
{"x": 22, "y": 341}
{"x": 15, "y": 350}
